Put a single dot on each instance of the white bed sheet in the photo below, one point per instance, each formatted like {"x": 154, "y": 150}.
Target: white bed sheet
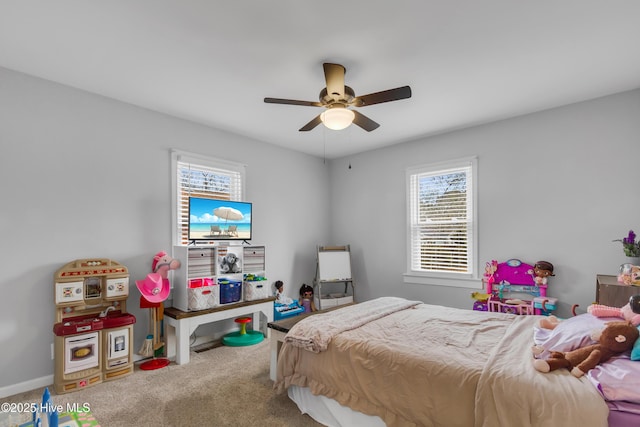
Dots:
{"x": 328, "y": 412}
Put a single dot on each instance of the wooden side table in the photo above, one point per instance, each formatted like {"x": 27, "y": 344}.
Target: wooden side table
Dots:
{"x": 612, "y": 293}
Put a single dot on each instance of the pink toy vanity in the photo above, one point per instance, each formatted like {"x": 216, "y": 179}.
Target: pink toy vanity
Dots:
{"x": 512, "y": 288}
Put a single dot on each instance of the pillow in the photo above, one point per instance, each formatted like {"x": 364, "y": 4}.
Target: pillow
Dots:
{"x": 635, "y": 352}
{"x": 618, "y": 379}
{"x": 572, "y": 333}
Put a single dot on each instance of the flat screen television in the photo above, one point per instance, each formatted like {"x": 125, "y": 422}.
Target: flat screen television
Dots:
{"x": 211, "y": 219}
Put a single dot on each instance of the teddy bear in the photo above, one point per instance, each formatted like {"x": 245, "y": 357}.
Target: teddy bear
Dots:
{"x": 616, "y": 338}
{"x": 229, "y": 263}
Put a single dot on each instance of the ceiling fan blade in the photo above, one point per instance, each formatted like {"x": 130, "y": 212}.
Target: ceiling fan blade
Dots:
{"x": 334, "y": 76}
{"x": 364, "y": 122}
{"x": 292, "y": 102}
{"x": 312, "y": 124}
{"x": 384, "y": 96}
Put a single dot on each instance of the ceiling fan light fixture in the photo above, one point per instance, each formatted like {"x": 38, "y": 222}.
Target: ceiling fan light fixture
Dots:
{"x": 337, "y": 118}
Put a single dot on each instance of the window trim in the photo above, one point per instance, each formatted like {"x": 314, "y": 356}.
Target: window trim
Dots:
{"x": 203, "y": 160}
{"x": 452, "y": 279}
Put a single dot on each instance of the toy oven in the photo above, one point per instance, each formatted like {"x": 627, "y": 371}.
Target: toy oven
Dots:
{"x": 81, "y": 352}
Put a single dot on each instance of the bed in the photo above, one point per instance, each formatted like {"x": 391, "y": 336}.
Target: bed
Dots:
{"x": 390, "y": 361}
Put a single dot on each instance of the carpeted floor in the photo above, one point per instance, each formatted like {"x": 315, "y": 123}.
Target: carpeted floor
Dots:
{"x": 224, "y": 386}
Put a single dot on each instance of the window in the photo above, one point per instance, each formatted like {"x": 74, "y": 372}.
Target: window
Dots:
{"x": 201, "y": 176}
{"x": 442, "y": 224}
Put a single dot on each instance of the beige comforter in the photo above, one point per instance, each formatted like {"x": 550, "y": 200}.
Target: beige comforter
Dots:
{"x": 437, "y": 366}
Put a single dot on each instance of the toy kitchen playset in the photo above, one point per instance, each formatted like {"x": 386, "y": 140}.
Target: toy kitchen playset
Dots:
{"x": 93, "y": 331}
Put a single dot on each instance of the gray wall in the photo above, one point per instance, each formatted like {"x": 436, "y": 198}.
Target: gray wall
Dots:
{"x": 84, "y": 176}
{"x": 558, "y": 185}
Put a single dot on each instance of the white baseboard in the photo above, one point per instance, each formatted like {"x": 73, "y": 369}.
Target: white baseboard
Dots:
{"x": 26, "y": 386}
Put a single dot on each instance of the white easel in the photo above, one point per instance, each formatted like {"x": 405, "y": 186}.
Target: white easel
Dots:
{"x": 333, "y": 266}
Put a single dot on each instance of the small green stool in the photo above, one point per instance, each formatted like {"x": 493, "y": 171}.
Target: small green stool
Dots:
{"x": 242, "y": 337}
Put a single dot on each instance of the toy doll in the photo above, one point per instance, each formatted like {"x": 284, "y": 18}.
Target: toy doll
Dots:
{"x": 281, "y": 298}
{"x": 306, "y": 298}
{"x": 279, "y": 290}
{"x": 542, "y": 270}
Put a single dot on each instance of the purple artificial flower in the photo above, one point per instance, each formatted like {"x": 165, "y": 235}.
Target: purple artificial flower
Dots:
{"x": 629, "y": 245}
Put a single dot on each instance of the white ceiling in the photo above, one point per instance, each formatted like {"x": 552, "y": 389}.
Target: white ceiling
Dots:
{"x": 213, "y": 61}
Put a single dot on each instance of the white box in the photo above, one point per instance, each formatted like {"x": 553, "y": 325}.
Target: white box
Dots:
{"x": 203, "y": 297}
{"x": 328, "y": 301}
{"x": 325, "y": 302}
{"x": 344, "y": 300}
{"x": 255, "y": 290}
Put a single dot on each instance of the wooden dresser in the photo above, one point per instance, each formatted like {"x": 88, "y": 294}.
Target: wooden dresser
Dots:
{"x": 611, "y": 293}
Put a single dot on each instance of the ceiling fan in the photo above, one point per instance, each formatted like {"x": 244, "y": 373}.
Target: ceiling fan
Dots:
{"x": 337, "y": 97}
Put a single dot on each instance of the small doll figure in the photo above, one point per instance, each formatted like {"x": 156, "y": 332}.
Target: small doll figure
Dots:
{"x": 279, "y": 290}
{"x": 542, "y": 270}
{"x": 306, "y": 298}
{"x": 281, "y": 298}
{"x": 489, "y": 270}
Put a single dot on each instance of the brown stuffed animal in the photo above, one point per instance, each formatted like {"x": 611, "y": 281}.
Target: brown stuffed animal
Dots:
{"x": 615, "y": 338}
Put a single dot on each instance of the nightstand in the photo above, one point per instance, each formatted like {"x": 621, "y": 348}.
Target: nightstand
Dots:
{"x": 611, "y": 293}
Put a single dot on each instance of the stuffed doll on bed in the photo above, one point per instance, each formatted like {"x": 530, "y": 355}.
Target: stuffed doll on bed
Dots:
{"x": 616, "y": 338}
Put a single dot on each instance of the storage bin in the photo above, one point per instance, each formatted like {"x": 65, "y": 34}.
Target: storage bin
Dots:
{"x": 202, "y": 294}
{"x": 230, "y": 291}
{"x": 254, "y": 290}
{"x": 333, "y": 300}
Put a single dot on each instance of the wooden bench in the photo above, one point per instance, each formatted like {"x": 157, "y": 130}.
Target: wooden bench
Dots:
{"x": 181, "y": 324}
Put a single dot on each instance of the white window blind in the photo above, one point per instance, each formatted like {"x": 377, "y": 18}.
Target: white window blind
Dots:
{"x": 199, "y": 176}
{"x": 442, "y": 226}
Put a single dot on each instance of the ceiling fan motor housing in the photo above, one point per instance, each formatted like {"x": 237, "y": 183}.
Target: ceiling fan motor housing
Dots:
{"x": 328, "y": 99}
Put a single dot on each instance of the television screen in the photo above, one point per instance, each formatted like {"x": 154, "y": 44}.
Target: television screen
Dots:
{"x": 211, "y": 219}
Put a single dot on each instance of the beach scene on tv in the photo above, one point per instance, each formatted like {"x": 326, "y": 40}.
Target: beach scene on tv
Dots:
{"x": 219, "y": 219}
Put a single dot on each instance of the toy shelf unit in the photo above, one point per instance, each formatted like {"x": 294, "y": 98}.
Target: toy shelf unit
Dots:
{"x": 213, "y": 276}
{"x": 254, "y": 282}
{"x": 333, "y": 267}
{"x": 93, "y": 331}
{"x": 511, "y": 288}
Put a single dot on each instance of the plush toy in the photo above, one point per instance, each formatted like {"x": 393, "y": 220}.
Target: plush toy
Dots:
{"x": 479, "y": 296}
{"x": 542, "y": 270}
{"x": 163, "y": 262}
{"x": 229, "y": 263}
{"x": 614, "y": 339}
{"x": 549, "y": 322}
{"x": 625, "y": 312}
